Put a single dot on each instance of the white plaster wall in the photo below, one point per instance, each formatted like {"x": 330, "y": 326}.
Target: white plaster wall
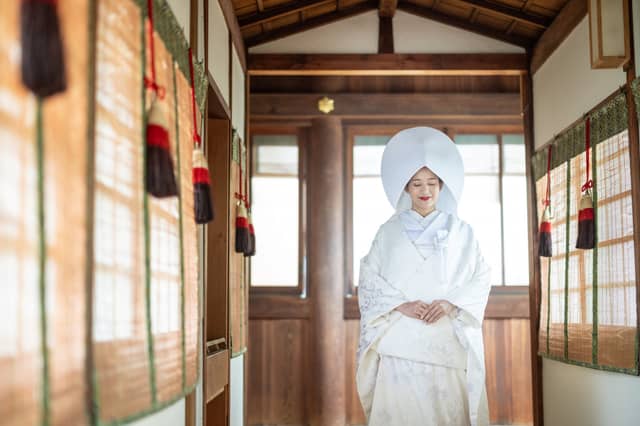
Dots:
{"x": 236, "y": 387}
{"x": 173, "y": 415}
{"x": 358, "y": 34}
{"x": 413, "y": 34}
{"x": 219, "y": 49}
{"x": 181, "y": 8}
{"x": 586, "y": 397}
{"x": 566, "y": 87}
{"x": 238, "y": 100}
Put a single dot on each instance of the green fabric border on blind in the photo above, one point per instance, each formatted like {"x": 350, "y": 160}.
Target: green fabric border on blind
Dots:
{"x": 608, "y": 120}
{"x": 169, "y": 30}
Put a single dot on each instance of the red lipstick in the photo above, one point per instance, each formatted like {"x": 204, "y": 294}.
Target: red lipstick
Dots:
{"x": 425, "y": 198}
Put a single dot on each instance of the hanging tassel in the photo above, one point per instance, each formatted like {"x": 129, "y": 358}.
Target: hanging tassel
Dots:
{"x": 242, "y": 229}
{"x": 203, "y": 206}
{"x": 202, "y": 200}
{"x": 544, "y": 240}
{"x": 586, "y": 225}
{"x": 251, "y": 247}
{"x": 160, "y": 178}
{"x": 544, "y": 236}
{"x": 43, "y": 68}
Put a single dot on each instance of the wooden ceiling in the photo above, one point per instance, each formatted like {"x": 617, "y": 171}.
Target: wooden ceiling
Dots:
{"x": 519, "y": 22}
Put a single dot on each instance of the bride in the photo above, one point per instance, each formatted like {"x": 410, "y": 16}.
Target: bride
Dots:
{"x": 422, "y": 294}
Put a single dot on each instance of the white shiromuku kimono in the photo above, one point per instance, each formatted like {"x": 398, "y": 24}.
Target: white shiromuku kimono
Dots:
{"x": 411, "y": 373}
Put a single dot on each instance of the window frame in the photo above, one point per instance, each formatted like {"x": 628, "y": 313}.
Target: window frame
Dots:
{"x": 350, "y": 132}
{"x": 301, "y": 134}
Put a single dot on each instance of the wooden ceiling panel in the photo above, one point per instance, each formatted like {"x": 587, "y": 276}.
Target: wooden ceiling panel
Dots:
{"x": 453, "y": 8}
{"x": 245, "y": 7}
{"x": 320, "y": 10}
{"x": 252, "y": 31}
{"x": 343, "y": 4}
{"x": 526, "y": 31}
{"x": 284, "y": 21}
{"x": 546, "y": 8}
{"x": 495, "y": 22}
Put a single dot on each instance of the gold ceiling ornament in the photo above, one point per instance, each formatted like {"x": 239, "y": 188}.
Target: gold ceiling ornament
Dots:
{"x": 325, "y": 105}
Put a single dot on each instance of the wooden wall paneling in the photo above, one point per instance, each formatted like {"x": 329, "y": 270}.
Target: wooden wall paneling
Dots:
{"x": 278, "y": 372}
{"x": 354, "y": 412}
{"x": 236, "y": 266}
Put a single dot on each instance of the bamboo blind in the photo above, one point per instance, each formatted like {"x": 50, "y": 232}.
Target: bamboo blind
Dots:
{"x": 588, "y": 297}
{"x": 43, "y": 204}
{"x": 143, "y": 337}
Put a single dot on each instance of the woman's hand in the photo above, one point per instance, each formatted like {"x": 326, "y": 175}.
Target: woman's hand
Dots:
{"x": 416, "y": 309}
{"x": 437, "y": 309}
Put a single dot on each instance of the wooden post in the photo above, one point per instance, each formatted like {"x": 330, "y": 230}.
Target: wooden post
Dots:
{"x": 326, "y": 277}
{"x": 526, "y": 96}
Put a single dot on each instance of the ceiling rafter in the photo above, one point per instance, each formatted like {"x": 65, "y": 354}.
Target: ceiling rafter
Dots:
{"x": 464, "y": 24}
{"x": 279, "y": 11}
{"x": 510, "y": 12}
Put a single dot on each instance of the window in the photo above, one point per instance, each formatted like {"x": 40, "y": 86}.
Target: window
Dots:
{"x": 493, "y": 202}
{"x": 276, "y": 200}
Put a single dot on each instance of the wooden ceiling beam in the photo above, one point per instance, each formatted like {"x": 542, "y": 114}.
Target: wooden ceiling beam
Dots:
{"x": 387, "y": 8}
{"x": 464, "y": 24}
{"x": 468, "y": 64}
{"x": 266, "y": 106}
{"x": 510, "y": 13}
{"x": 312, "y": 23}
{"x": 279, "y": 11}
{"x": 569, "y": 17}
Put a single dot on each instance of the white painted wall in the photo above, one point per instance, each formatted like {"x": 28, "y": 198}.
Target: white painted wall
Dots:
{"x": 219, "y": 49}
{"x": 564, "y": 88}
{"x": 412, "y": 34}
{"x": 237, "y": 100}
{"x": 173, "y": 415}
{"x": 236, "y": 388}
{"x": 358, "y": 34}
{"x": 181, "y": 8}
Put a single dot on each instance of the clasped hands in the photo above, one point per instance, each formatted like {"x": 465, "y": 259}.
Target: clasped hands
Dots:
{"x": 427, "y": 312}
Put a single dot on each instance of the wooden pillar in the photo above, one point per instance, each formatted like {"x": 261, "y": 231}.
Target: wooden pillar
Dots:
{"x": 326, "y": 271}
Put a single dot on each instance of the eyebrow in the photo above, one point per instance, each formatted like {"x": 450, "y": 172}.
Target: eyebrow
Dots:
{"x": 429, "y": 178}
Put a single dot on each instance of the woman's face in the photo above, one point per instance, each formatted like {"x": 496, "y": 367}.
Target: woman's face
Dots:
{"x": 424, "y": 189}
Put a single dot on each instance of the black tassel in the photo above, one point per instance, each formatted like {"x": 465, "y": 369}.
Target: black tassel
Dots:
{"x": 160, "y": 178}
{"x": 43, "y": 65}
{"x": 202, "y": 200}
{"x": 242, "y": 230}
{"x": 251, "y": 249}
{"x": 544, "y": 240}
{"x": 586, "y": 225}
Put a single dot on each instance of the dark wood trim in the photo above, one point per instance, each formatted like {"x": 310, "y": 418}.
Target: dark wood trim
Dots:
{"x": 463, "y": 24}
{"x": 387, "y": 8}
{"x": 312, "y": 23}
{"x": 234, "y": 30}
{"x": 385, "y": 35}
{"x": 279, "y": 11}
{"x": 526, "y": 96}
{"x": 634, "y": 152}
{"x": 510, "y": 13}
{"x": 505, "y": 302}
{"x": 569, "y": 17}
{"x": 503, "y": 279}
{"x": 193, "y": 26}
{"x": 404, "y": 105}
{"x": 190, "y": 409}
{"x": 463, "y": 64}
{"x": 265, "y": 306}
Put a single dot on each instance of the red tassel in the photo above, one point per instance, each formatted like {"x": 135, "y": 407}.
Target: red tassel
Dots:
{"x": 242, "y": 229}
{"x": 586, "y": 225}
{"x": 43, "y": 64}
{"x": 160, "y": 178}
{"x": 202, "y": 200}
